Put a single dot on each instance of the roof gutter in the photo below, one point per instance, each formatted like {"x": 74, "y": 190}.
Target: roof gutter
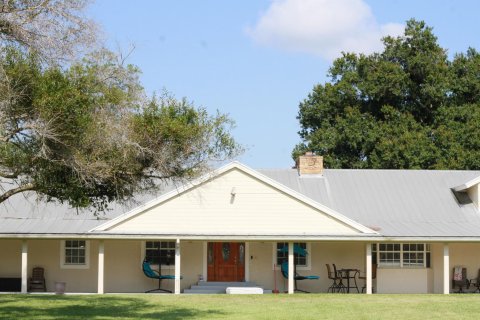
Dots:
{"x": 219, "y": 237}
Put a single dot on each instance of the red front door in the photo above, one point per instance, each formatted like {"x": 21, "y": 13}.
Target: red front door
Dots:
{"x": 226, "y": 261}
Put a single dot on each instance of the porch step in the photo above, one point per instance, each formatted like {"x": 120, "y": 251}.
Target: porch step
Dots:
{"x": 197, "y": 287}
{"x": 209, "y": 287}
{"x": 204, "y": 291}
{"x": 227, "y": 284}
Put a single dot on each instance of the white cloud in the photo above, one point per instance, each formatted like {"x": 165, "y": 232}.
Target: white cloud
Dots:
{"x": 322, "y": 27}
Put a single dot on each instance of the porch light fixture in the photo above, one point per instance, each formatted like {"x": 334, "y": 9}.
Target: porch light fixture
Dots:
{"x": 233, "y": 192}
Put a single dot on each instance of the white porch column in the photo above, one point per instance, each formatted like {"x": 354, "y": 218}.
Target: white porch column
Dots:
{"x": 177, "y": 267}
{"x": 246, "y": 260}
{"x": 101, "y": 266}
{"x": 24, "y": 266}
{"x": 204, "y": 261}
{"x": 368, "y": 283}
{"x": 291, "y": 267}
{"x": 446, "y": 269}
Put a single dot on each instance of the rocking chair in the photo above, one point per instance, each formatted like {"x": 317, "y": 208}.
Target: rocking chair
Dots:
{"x": 460, "y": 279}
{"x": 37, "y": 280}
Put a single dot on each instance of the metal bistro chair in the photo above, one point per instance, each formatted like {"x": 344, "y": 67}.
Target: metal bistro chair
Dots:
{"x": 341, "y": 287}
{"x": 147, "y": 270}
{"x": 335, "y": 287}
{"x": 374, "y": 276}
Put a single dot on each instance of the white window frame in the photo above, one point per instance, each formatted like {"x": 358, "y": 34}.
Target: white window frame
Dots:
{"x": 401, "y": 264}
{"x": 64, "y": 265}
{"x": 307, "y": 267}
{"x": 144, "y": 253}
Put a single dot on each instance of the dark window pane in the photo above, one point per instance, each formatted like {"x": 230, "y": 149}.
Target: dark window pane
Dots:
{"x": 226, "y": 251}
{"x": 210, "y": 253}
{"x": 241, "y": 254}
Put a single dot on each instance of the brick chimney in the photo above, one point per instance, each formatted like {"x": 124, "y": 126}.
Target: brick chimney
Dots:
{"x": 310, "y": 164}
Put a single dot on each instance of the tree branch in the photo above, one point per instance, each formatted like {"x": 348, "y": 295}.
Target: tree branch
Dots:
{"x": 11, "y": 192}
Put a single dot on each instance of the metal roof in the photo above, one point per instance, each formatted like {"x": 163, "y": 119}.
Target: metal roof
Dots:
{"x": 396, "y": 203}
{"x": 25, "y": 213}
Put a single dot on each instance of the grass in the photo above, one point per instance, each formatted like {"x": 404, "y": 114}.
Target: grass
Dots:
{"x": 298, "y": 306}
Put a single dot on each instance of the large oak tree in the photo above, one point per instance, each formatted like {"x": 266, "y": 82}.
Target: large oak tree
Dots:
{"x": 83, "y": 131}
{"x": 406, "y": 107}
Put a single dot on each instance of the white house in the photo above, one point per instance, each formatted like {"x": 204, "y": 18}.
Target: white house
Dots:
{"x": 415, "y": 225}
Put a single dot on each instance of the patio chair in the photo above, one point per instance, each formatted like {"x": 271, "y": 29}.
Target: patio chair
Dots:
{"x": 147, "y": 270}
{"x": 341, "y": 286}
{"x": 37, "y": 281}
{"x": 374, "y": 276}
{"x": 335, "y": 278}
{"x": 460, "y": 279}
{"x": 296, "y": 276}
{"x": 476, "y": 282}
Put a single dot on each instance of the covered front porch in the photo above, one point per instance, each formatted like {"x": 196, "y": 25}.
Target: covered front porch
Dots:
{"x": 114, "y": 265}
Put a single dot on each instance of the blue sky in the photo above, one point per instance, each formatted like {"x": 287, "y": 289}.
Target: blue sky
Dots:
{"x": 256, "y": 59}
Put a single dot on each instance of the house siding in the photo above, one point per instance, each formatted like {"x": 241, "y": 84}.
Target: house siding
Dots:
{"x": 255, "y": 208}
{"x": 11, "y": 262}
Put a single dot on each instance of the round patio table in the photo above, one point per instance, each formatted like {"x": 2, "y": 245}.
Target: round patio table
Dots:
{"x": 347, "y": 274}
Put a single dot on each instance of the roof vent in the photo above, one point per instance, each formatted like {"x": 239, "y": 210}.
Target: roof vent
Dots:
{"x": 310, "y": 164}
{"x": 461, "y": 197}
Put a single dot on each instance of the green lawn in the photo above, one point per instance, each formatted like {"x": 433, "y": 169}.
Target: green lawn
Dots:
{"x": 298, "y": 306}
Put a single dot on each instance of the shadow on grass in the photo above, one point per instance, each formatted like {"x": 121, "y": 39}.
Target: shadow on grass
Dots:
{"x": 92, "y": 307}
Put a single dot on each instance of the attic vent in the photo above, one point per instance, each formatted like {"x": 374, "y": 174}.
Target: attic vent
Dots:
{"x": 461, "y": 197}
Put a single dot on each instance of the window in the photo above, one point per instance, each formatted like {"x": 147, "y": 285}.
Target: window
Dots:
{"x": 160, "y": 252}
{"x": 281, "y": 254}
{"x": 75, "y": 254}
{"x": 389, "y": 254}
{"x": 401, "y": 254}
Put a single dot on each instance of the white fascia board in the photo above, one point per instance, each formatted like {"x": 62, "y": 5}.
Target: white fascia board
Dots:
{"x": 467, "y": 184}
{"x": 196, "y": 237}
{"x": 237, "y": 165}
{"x": 241, "y": 238}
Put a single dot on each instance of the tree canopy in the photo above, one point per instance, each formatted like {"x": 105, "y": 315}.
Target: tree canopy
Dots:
{"x": 87, "y": 135}
{"x": 82, "y": 130}
{"x": 406, "y": 107}
{"x": 54, "y": 29}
